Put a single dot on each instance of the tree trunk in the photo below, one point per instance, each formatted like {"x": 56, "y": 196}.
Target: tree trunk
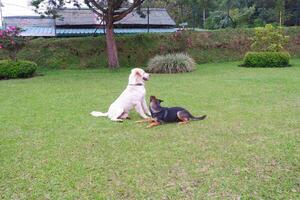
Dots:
{"x": 112, "y": 52}
{"x": 204, "y": 17}
{"x": 228, "y": 12}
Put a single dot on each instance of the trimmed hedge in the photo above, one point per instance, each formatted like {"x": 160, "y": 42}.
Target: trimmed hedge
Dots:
{"x": 171, "y": 63}
{"x": 17, "y": 69}
{"x": 266, "y": 59}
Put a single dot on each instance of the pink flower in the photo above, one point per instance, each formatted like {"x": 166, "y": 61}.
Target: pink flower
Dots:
{"x": 11, "y": 28}
{"x": 1, "y": 47}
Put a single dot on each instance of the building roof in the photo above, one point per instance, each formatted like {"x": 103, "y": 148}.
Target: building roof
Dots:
{"x": 76, "y": 17}
{"x": 157, "y": 16}
{"x": 75, "y": 22}
{"x": 51, "y": 31}
{"x": 32, "y": 25}
{"x": 32, "y": 21}
{"x": 92, "y": 31}
{"x": 38, "y": 31}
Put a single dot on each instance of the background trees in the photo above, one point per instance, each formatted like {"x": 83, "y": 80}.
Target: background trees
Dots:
{"x": 110, "y": 11}
{"x": 209, "y": 14}
{"x": 215, "y": 14}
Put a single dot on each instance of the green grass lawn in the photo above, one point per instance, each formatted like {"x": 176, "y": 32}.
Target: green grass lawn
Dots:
{"x": 248, "y": 147}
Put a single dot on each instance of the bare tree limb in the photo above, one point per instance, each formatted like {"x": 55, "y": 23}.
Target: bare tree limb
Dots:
{"x": 118, "y": 5}
{"x": 94, "y": 10}
{"x": 96, "y": 5}
{"x": 121, "y": 14}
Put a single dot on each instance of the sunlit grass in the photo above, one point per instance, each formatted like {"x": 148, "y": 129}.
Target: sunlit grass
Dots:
{"x": 247, "y": 147}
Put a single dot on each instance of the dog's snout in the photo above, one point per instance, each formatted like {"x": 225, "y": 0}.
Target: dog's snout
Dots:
{"x": 146, "y": 76}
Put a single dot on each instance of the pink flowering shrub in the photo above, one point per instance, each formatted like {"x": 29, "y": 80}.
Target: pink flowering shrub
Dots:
{"x": 11, "y": 41}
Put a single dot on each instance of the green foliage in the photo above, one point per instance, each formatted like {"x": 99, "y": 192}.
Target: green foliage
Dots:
{"x": 241, "y": 17}
{"x": 16, "y": 69}
{"x": 266, "y": 59}
{"x": 236, "y": 17}
{"x": 89, "y": 52}
{"x": 171, "y": 63}
{"x": 264, "y": 16}
{"x": 266, "y": 11}
{"x": 268, "y": 42}
{"x": 11, "y": 41}
{"x": 180, "y": 42}
{"x": 217, "y": 20}
{"x": 49, "y": 8}
{"x": 269, "y": 38}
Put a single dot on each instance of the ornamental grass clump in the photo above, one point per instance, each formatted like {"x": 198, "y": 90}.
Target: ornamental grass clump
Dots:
{"x": 171, "y": 63}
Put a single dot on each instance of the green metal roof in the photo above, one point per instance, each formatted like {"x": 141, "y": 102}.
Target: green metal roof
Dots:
{"x": 38, "y": 31}
{"x": 52, "y": 32}
{"x": 89, "y": 31}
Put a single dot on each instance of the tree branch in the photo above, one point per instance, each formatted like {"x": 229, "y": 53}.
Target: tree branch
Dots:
{"x": 117, "y": 5}
{"x": 96, "y": 5}
{"x": 94, "y": 10}
{"x": 120, "y": 15}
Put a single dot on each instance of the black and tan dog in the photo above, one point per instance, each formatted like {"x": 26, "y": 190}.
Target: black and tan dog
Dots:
{"x": 167, "y": 115}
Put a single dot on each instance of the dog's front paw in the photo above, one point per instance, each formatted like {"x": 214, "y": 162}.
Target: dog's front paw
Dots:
{"x": 154, "y": 123}
{"x": 140, "y": 121}
{"x": 149, "y": 119}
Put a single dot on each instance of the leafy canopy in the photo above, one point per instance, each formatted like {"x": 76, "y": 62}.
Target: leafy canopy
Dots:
{"x": 269, "y": 38}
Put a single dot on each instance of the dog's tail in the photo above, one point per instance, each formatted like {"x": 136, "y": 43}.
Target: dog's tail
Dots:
{"x": 198, "y": 118}
{"x": 98, "y": 114}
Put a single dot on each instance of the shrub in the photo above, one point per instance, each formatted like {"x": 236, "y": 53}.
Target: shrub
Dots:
{"x": 269, "y": 38}
{"x": 16, "y": 69}
{"x": 266, "y": 59}
{"x": 171, "y": 63}
{"x": 268, "y": 44}
{"x": 11, "y": 41}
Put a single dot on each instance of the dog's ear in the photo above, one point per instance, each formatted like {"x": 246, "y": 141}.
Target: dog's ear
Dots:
{"x": 152, "y": 98}
{"x": 138, "y": 73}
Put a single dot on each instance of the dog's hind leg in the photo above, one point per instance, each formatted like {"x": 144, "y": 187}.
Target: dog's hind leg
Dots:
{"x": 116, "y": 116}
{"x": 124, "y": 116}
{"x": 184, "y": 121}
{"x": 183, "y": 116}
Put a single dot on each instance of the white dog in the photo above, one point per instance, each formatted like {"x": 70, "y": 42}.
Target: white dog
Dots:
{"x": 132, "y": 96}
